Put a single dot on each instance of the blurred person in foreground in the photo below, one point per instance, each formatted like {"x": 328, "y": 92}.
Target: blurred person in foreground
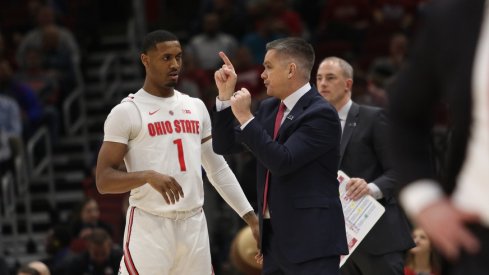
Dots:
{"x": 449, "y": 64}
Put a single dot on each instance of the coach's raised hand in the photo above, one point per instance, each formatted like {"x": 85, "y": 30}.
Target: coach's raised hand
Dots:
{"x": 225, "y": 78}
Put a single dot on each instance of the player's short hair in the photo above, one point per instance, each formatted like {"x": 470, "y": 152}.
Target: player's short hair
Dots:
{"x": 155, "y": 37}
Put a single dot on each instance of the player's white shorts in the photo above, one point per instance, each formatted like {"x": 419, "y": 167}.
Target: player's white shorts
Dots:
{"x": 176, "y": 245}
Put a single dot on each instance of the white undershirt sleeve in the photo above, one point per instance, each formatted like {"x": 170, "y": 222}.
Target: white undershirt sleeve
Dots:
{"x": 418, "y": 195}
{"x": 224, "y": 180}
{"x": 375, "y": 191}
{"x": 221, "y": 105}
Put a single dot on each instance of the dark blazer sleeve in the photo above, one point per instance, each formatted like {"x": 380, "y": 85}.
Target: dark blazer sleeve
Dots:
{"x": 313, "y": 135}
{"x": 224, "y": 132}
{"x": 439, "y": 70}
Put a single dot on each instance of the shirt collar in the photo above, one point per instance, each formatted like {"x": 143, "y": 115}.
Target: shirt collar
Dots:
{"x": 293, "y": 98}
{"x": 343, "y": 112}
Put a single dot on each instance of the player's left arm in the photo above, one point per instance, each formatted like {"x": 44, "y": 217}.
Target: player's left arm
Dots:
{"x": 226, "y": 184}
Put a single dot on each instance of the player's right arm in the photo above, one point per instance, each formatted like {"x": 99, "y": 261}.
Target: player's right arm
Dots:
{"x": 119, "y": 128}
{"x": 111, "y": 180}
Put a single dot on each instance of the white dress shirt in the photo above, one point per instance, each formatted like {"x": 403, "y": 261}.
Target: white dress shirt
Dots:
{"x": 343, "y": 113}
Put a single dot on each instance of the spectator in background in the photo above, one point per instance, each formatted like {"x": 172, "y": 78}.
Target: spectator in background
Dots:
{"x": 57, "y": 247}
{"x": 10, "y": 130}
{"x": 101, "y": 257}
{"x": 34, "y": 38}
{"x": 206, "y": 45}
{"x": 57, "y": 59}
{"x": 29, "y": 103}
{"x": 85, "y": 18}
{"x": 289, "y": 21}
{"x": 86, "y": 219}
{"x": 421, "y": 259}
{"x": 34, "y": 114}
{"x": 310, "y": 12}
{"x": 378, "y": 79}
{"x": 249, "y": 74}
{"x": 7, "y": 48}
{"x": 3, "y": 50}
{"x": 232, "y": 14}
{"x": 397, "y": 55}
{"x": 44, "y": 84}
{"x": 394, "y": 14}
{"x": 194, "y": 80}
{"x": 346, "y": 20}
{"x": 265, "y": 30}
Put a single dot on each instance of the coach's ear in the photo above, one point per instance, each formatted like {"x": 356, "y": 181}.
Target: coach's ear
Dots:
{"x": 292, "y": 70}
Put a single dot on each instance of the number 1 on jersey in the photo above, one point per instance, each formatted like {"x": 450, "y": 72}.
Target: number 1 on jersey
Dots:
{"x": 181, "y": 155}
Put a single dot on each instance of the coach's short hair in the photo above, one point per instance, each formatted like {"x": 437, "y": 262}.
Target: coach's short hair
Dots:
{"x": 298, "y": 49}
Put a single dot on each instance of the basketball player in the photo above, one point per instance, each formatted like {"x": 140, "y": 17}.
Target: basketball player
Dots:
{"x": 164, "y": 138}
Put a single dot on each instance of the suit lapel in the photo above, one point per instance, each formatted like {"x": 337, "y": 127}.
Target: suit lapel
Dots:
{"x": 350, "y": 124}
{"x": 298, "y": 109}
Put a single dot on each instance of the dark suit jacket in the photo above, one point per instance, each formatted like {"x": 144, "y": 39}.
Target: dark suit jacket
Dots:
{"x": 306, "y": 213}
{"x": 440, "y": 68}
{"x": 366, "y": 154}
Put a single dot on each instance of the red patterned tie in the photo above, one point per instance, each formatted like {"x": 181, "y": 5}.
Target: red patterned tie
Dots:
{"x": 278, "y": 121}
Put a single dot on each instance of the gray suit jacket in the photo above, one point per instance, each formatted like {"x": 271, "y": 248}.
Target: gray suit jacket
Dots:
{"x": 365, "y": 154}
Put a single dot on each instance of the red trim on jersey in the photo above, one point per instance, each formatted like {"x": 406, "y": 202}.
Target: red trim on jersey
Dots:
{"x": 131, "y": 268}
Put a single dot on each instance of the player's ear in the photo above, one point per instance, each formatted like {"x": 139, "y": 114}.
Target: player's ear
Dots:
{"x": 144, "y": 59}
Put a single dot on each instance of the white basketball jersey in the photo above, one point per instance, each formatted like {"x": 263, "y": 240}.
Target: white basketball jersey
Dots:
{"x": 170, "y": 143}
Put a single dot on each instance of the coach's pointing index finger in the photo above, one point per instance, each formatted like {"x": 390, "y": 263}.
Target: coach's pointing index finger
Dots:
{"x": 226, "y": 60}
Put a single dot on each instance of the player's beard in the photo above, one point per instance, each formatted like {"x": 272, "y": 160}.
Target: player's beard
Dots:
{"x": 171, "y": 84}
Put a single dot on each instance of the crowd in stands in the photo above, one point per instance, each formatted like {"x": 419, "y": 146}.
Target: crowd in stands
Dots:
{"x": 42, "y": 42}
